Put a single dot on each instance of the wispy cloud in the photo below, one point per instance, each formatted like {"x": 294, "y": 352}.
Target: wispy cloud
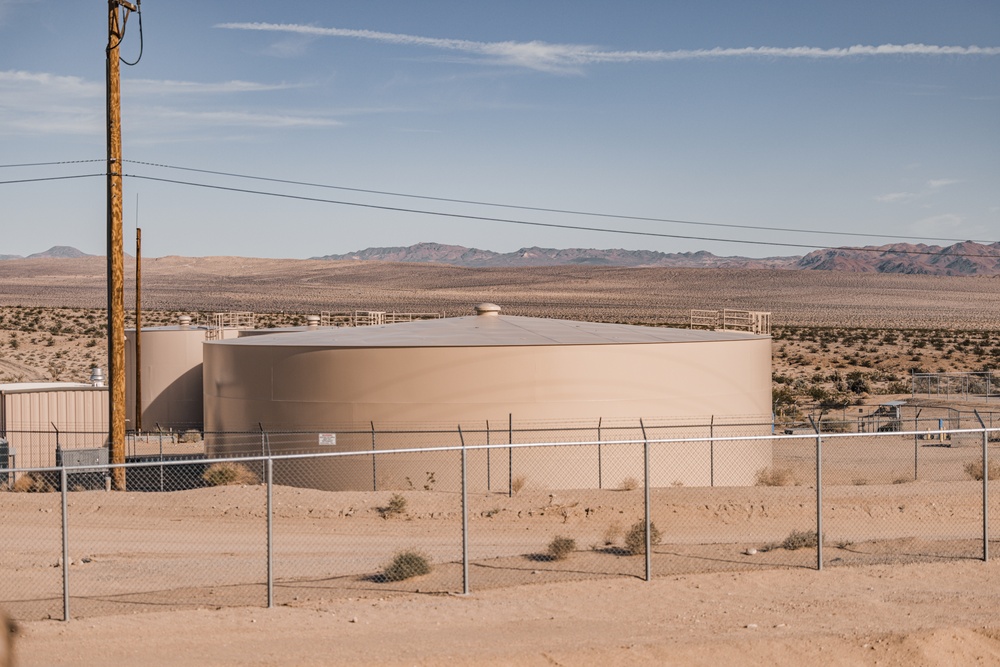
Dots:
{"x": 893, "y": 197}
{"x": 547, "y": 57}
{"x": 930, "y": 187}
{"x": 246, "y": 119}
{"x": 45, "y": 103}
{"x": 937, "y": 184}
{"x": 168, "y": 87}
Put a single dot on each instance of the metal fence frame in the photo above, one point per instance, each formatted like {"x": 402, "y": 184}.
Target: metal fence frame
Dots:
{"x": 267, "y": 461}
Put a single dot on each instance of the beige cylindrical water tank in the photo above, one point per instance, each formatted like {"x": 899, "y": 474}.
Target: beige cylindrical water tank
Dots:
{"x": 485, "y": 367}
{"x": 171, "y": 378}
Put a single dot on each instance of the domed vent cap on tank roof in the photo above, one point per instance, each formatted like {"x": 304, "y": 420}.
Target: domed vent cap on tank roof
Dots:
{"x": 487, "y": 310}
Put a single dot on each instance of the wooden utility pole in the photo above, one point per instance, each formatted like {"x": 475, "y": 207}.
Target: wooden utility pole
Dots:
{"x": 118, "y": 11}
{"x": 138, "y": 327}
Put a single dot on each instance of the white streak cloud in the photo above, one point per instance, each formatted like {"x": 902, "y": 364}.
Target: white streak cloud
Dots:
{"x": 546, "y": 57}
{"x": 941, "y": 182}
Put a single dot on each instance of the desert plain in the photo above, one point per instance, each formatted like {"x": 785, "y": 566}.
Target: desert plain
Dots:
{"x": 176, "y": 578}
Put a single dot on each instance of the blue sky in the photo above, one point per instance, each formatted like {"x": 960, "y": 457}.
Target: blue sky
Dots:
{"x": 857, "y": 117}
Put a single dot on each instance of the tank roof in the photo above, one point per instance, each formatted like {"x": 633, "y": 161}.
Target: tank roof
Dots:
{"x": 487, "y": 331}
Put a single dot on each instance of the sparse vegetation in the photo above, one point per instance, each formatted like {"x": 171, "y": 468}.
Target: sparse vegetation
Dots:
{"x": 799, "y": 539}
{"x": 613, "y": 533}
{"x": 517, "y": 484}
{"x": 226, "y": 474}
{"x": 561, "y": 547}
{"x": 775, "y": 477}
{"x": 406, "y": 565}
{"x": 395, "y": 506}
{"x": 31, "y": 483}
{"x": 974, "y": 469}
{"x": 635, "y": 538}
{"x": 629, "y": 484}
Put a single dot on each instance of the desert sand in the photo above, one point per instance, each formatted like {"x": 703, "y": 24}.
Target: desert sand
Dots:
{"x": 177, "y": 578}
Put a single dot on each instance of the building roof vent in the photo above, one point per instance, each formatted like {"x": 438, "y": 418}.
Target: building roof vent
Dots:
{"x": 96, "y": 377}
{"x": 488, "y": 309}
{"x": 184, "y": 321}
{"x": 312, "y": 321}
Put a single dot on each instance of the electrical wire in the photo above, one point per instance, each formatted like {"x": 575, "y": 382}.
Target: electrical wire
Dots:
{"x": 50, "y": 178}
{"x": 552, "y": 210}
{"x": 138, "y": 7}
{"x": 47, "y": 164}
{"x": 511, "y": 221}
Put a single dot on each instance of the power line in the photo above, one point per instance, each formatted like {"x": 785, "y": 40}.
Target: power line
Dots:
{"x": 530, "y": 223}
{"x": 46, "y": 164}
{"x": 552, "y": 210}
{"x": 50, "y": 178}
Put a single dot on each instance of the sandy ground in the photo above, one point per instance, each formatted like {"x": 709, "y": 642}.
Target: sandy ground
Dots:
{"x": 930, "y": 614}
{"x": 177, "y": 578}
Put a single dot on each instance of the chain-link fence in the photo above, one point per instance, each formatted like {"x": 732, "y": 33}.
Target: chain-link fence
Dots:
{"x": 480, "y": 507}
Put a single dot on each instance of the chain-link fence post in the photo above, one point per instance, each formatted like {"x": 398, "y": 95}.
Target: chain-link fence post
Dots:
{"x": 63, "y": 483}
{"x": 270, "y": 532}
{"x": 645, "y": 483}
{"x": 711, "y": 452}
{"x": 819, "y": 494}
{"x": 986, "y": 486}
{"x": 600, "y": 467}
{"x": 510, "y": 455}
{"x": 374, "y": 478}
{"x": 465, "y": 516}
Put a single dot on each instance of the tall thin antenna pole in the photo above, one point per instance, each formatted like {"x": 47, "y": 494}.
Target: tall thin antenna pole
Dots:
{"x": 138, "y": 321}
{"x": 116, "y": 260}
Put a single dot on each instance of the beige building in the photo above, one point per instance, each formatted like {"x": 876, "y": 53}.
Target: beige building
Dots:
{"x": 36, "y": 417}
{"x": 491, "y": 367}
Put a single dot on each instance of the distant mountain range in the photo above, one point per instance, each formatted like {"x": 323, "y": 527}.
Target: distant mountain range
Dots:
{"x": 960, "y": 259}
{"x": 55, "y": 252}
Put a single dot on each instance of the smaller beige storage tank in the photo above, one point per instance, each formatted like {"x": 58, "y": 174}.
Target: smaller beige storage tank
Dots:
{"x": 171, "y": 376}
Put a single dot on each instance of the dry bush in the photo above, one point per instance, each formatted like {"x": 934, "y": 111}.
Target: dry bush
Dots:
{"x": 560, "y": 547}
{"x": 191, "y": 435}
{"x": 10, "y": 631}
{"x": 395, "y": 506}
{"x": 32, "y": 483}
{"x": 775, "y": 477}
{"x": 405, "y": 565}
{"x": 635, "y": 539}
{"x": 226, "y": 474}
{"x": 629, "y": 484}
{"x": 974, "y": 469}
{"x": 799, "y": 539}
{"x": 613, "y": 533}
{"x": 517, "y": 484}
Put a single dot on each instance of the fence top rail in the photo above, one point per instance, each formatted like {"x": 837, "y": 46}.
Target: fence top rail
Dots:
{"x": 500, "y": 446}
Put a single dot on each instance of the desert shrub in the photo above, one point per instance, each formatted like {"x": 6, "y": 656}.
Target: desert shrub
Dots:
{"x": 225, "y": 474}
{"x": 629, "y": 484}
{"x": 405, "y": 565}
{"x": 612, "y": 533}
{"x": 32, "y": 483}
{"x": 560, "y": 547}
{"x": 974, "y": 469}
{"x": 799, "y": 539}
{"x": 517, "y": 484}
{"x": 635, "y": 538}
{"x": 396, "y": 505}
{"x": 774, "y": 477}
{"x": 191, "y": 435}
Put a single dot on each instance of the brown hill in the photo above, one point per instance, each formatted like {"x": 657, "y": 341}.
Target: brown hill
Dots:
{"x": 961, "y": 259}
{"x": 535, "y": 256}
